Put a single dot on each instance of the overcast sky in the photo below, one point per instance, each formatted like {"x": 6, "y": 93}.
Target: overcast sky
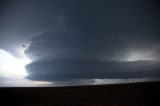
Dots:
{"x": 83, "y": 39}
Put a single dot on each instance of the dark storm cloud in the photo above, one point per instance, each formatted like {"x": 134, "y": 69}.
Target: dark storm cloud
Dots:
{"x": 92, "y": 31}
{"x": 87, "y": 39}
{"x": 107, "y": 27}
{"x": 20, "y": 20}
{"x": 55, "y": 70}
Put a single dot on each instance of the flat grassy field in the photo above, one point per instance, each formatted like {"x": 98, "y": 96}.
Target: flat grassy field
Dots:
{"x": 136, "y": 94}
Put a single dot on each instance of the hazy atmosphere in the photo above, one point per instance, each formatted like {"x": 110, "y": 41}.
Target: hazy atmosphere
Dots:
{"x": 74, "y": 42}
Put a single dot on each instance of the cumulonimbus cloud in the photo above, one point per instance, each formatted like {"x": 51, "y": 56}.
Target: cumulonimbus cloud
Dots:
{"x": 91, "y": 40}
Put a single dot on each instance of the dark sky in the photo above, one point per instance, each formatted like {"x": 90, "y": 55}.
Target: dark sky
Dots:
{"x": 83, "y": 39}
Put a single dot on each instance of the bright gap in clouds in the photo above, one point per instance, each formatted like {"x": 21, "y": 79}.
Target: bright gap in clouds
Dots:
{"x": 11, "y": 66}
{"x": 138, "y": 55}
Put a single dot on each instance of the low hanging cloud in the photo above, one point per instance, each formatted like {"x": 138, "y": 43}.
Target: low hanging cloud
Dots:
{"x": 85, "y": 39}
{"x": 61, "y": 69}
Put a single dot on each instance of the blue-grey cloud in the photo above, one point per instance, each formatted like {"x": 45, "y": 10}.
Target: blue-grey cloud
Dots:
{"x": 85, "y": 39}
{"x": 94, "y": 38}
{"x": 62, "y": 69}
